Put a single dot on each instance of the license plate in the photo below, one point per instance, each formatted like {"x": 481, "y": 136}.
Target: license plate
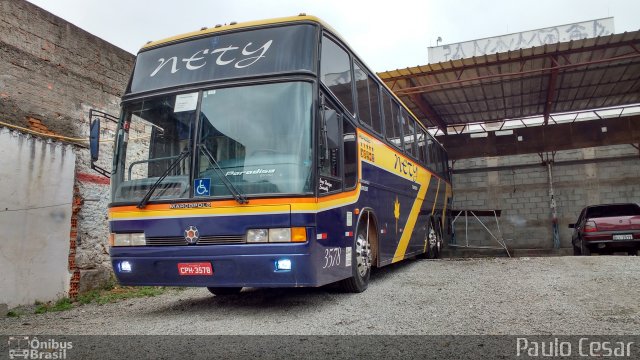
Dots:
{"x": 623, "y": 237}
{"x": 197, "y": 269}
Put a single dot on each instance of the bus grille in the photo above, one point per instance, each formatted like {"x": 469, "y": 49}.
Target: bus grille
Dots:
{"x": 204, "y": 240}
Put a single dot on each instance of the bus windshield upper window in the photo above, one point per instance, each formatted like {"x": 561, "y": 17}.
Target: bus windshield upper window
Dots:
{"x": 335, "y": 72}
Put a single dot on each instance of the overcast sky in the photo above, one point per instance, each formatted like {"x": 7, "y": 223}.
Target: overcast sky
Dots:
{"x": 387, "y": 35}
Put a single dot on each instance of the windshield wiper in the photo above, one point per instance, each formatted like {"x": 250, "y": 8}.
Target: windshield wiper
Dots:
{"x": 153, "y": 187}
{"x": 240, "y": 198}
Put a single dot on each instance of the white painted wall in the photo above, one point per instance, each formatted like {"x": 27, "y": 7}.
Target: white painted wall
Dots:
{"x": 36, "y": 192}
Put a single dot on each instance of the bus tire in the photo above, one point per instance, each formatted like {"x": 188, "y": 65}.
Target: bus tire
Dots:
{"x": 222, "y": 291}
{"x": 434, "y": 242}
{"x": 360, "y": 264}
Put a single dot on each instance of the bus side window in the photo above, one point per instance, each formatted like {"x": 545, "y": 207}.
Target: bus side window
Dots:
{"x": 350, "y": 154}
{"x": 447, "y": 171}
{"x": 362, "y": 94}
{"x": 374, "y": 92}
{"x": 367, "y": 93}
{"x": 438, "y": 159}
{"x": 422, "y": 145}
{"x": 408, "y": 133}
{"x": 335, "y": 72}
{"x": 431, "y": 154}
{"x": 390, "y": 128}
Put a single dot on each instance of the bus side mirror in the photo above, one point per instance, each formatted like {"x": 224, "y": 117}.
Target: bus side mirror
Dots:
{"x": 571, "y": 226}
{"x": 94, "y": 140}
{"x": 94, "y": 137}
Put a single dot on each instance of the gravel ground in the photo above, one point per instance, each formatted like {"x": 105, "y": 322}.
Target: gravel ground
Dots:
{"x": 555, "y": 295}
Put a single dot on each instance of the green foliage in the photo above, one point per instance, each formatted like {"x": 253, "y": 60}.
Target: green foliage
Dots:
{"x": 122, "y": 293}
{"x": 13, "y": 314}
{"x": 109, "y": 294}
{"x": 60, "y": 305}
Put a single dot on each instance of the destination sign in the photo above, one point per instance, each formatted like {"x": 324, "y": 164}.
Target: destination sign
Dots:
{"x": 223, "y": 56}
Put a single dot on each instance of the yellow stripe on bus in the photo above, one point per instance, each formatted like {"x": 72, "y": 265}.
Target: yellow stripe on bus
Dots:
{"x": 230, "y": 208}
{"x": 435, "y": 200}
{"x": 413, "y": 218}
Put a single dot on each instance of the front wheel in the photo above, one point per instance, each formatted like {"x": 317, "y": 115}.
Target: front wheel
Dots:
{"x": 584, "y": 249}
{"x": 360, "y": 264}
{"x": 221, "y": 291}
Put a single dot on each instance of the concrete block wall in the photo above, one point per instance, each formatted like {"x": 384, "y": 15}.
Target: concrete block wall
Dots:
{"x": 53, "y": 71}
{"x": 523, "y": 194}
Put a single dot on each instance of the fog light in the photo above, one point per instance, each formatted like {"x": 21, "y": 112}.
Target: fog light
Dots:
{"x": 283, "y": 265}
{"x": 124, "y": 266}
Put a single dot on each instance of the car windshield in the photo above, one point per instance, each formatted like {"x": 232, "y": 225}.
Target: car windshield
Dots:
{"x": 253, "y": 140}
{"x": 613, "y": 210}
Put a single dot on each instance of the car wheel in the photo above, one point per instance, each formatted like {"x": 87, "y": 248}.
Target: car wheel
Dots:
{"x": 576, "y": 251}
{"x": 222, "y": 291}
{"x": 633, "y": 252}
{"x": 584, "y": 249}
{"x": 360, "y": 264}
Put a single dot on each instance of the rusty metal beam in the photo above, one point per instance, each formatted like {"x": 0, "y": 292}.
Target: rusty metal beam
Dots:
{"x": 540, "y": 164}
{"x": 541, "y": 139}
{"x": 587, "y": 49}
{"x": 428, "y": 110}
{"x": 551, "y": 90}
{"x": 421, "y": 88}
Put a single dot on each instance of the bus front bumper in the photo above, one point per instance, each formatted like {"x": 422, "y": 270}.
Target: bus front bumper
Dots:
{"x": 230, "y": 265}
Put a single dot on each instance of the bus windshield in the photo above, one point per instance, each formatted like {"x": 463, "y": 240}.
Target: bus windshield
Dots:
{"x": 255, "y": 137}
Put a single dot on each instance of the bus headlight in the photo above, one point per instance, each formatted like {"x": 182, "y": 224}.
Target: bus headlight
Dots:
{"x": 277, "y": 235}
{"x": 135, "y": 239}
{"x": 257, "y": 235}
{"x": 280, "y": 235}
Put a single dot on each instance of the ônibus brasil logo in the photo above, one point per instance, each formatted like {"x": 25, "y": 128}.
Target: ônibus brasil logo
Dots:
{"x": 25, "y": 347}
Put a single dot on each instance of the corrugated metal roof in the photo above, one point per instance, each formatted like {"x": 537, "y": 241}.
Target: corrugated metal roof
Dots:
{"x": 539, "y": 81}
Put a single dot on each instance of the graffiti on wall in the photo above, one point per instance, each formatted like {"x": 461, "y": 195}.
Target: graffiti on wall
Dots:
{"x": 522, "y": 40}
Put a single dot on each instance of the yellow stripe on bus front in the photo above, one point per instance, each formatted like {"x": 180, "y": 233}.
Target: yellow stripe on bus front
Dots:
{"x": 229, "y": 208}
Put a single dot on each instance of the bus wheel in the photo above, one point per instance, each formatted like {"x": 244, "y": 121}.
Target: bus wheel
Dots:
{"x": 434, "y": 242}
{"x": 360, "y": 264}
{"x": 221, "y": 291}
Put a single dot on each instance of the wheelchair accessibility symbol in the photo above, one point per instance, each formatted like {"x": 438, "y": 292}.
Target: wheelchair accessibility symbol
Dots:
{"x": 202, "y": 187}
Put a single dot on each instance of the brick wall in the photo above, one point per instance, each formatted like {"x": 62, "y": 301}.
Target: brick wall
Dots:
{"x": 54, "y": 72}
{"x": 523, "y": 194}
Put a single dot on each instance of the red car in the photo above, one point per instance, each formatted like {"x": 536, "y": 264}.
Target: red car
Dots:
{"x": 607, "y": 228}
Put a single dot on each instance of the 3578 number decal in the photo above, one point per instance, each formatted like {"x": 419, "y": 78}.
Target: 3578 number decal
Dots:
{"x": 332, "y": 257}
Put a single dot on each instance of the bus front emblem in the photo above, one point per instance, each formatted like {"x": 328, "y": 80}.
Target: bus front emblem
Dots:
{"x": 191, "y": 235}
